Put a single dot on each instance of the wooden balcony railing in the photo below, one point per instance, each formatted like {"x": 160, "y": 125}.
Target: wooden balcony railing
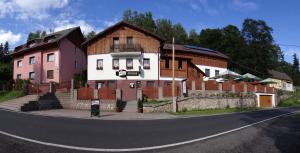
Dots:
{"x": 126, "y": 48}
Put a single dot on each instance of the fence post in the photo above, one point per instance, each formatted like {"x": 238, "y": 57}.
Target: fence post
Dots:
{"x": 255, "y": 88}
{"x": 118, "y": 94}
{"x": 245, "y": 87}
{"x": 72, "y": 88}
{"x": 160, "y": 93}
{"x": 220, "y": 87}
{"x": 202, "y": 86}
{"x": 233, "y": 88}
{"x": 265, "y": 89}
{"x": 193, "y": 87}
{"x": 139, "y": 94}
{"x": 96, "y": 94}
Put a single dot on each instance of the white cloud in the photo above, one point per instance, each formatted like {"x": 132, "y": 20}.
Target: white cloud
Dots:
{"x": 25, "y": 9}
{"x": 243, "y": 5}
{"x": 65, "y": 24}
{"x": 9, "y": 36}
{"x": 108, "y": 23}
{"x": 203, "y": 5}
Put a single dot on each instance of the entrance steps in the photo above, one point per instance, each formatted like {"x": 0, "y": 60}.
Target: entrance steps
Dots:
{"x": 15, "y": 104}
{"x": 131, "y": 106}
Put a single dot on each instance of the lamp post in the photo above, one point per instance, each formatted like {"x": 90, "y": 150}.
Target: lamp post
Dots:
{"x": 173, "y": 77}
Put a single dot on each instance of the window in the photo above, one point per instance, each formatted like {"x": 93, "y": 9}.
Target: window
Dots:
{"x": 207, "y": 72}
{"x": 50, "y": 74}
{"x": 167, "y": 63}
{"x": 217, "y": 72}
{"x": 129, "y": 40}
{"x": 19, "y": 63}
{"x": 99, "y": 64}
{"x": 31, "y": 60}
{"x": 115, "y": 63}
{"x": 150, "y": 84}
{"x": 146, "y": 63}
{"x": 31, "y": 75}
{"x": 180, "y": 64}
{"x": 19, "y": 76}
{"x": 112, "y": 84}
{"x": 50, "y": 57}
{"x": 116, "y": 43}
{"x": 129, "y": 63}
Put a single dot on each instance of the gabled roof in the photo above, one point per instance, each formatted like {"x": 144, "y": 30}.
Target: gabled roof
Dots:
{"x": 119, "y": 24}
{"x": 46, "y": 41}
{"x": 279, "y": 75}
{"x": 195, "y": 49}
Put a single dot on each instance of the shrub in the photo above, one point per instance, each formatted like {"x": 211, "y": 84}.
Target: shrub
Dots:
{"x": 119, "y": 103}
{"x": 184, "y": 109}
{"x": 140, "y": 103}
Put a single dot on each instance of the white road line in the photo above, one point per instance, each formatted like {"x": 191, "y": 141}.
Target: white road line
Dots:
{"x": 138, "y": 149}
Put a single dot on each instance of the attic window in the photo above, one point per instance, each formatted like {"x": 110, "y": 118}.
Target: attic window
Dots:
{"x": 49, "y": 38}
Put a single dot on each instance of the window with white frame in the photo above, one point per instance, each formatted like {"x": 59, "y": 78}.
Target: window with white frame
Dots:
{"x": 99, "y": 64}
{"x": 50, "y": 57}
{"x": 31, "y": 75}
{"x": 19, "y": 63}
{"x": 129, "y": 63}
{"x": 31, "y": 60}
{"x": 115, "y": 63}
{"x": 207, "y": 72}
{"x": 146, "y": 63}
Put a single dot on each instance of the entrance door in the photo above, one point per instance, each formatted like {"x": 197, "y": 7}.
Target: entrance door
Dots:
{"x": 265, "y": 101}
{"x": 128, "y": 90}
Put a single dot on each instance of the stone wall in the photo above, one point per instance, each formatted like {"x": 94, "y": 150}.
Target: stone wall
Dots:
{"x": 86, "y": 105}
{"x": 207, "y": 102}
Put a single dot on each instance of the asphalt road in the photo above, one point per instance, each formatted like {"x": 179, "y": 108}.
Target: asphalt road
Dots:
{"x": 124, "y": 134}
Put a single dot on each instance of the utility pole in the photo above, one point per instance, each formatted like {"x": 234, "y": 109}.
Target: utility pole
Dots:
{"x": 173, "y": 77}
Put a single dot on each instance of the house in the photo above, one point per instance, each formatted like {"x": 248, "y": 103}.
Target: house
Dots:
{"x": 129, "y": 58}
{"x": 283, "y": 81}
{"x": 55, "y": 57}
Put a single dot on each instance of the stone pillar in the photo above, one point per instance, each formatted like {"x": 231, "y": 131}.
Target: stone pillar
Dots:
{"x": 193, "y": 87}
{"x": 202, "y": 86}
{"x": 265, "y": 89}
{"x": 75, "y": 94}
{"x": 255, "y": 88}
{"x": 118, "y": 93}
{"x": 233, "y": 88}
{"x": 96, "y": 94}
{"x": 220, "y": 87}
{"x": 51, "y": 87}
{"x": 72, "y": 88}
{"x": 160, "y": 93}
{"x": 245, "y": 88}
{"x": 139, "y": 94}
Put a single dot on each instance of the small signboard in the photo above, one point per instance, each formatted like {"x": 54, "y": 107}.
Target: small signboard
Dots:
{"x": 95, "y": 107}
{"x": 131, "y": 84}
{"x": 132, "y": 73}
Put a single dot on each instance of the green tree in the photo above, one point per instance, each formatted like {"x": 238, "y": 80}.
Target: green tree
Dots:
{"x": 295, "y": 63}
{"x": 6, "y": 48}
{"x": 143, "y": 20}
{"x": 180, "y": 33}
{"x": 211, "y": 38}
{"x": 90, "y": 35}
{"x": 193, "y": 38}
{"x": 35, "y": 35}
{"x": 165, "y": 29}
{"x": 1, "y": 51}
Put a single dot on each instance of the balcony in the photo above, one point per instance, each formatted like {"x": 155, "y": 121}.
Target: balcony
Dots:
{"x": 126, "y": 49}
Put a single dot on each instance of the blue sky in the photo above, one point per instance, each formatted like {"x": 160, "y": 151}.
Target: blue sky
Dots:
{"x": 19, "y": 17}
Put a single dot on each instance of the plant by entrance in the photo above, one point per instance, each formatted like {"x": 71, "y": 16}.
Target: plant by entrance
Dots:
{"x": 140, "y": 106}
{"x": 118, "y": 105}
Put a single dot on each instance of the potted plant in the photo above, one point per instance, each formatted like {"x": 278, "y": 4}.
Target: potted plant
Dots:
{"x": 140, "y": 106}
{"x": 118, "y": 105}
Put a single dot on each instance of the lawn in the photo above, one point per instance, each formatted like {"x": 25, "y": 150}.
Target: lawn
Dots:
{"x": 292, "y": 101}
{"x": 215, "y": 111}
{"x": 7, "y": 95}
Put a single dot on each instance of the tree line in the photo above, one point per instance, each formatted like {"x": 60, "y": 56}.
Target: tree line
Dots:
{"x": 250, "y": 49}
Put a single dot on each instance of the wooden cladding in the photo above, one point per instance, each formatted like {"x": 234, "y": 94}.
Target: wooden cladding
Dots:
{"x": 103, "y": 44}
{"x": 199, "y": 59}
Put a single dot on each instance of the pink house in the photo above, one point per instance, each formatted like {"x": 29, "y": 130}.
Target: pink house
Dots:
{"x": 53, "y": 58}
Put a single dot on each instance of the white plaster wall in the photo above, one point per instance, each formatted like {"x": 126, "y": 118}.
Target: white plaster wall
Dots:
{"x": 110, "y": 74}
{"x": 212, "y": 69}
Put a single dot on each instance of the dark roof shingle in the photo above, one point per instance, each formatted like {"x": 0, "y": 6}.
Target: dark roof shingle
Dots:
{"x": 279, "y": 75}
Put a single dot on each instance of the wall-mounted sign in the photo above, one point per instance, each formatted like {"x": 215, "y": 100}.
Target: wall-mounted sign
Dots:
{"x": 124, "y": 73}
{"x": 132, "y": 73}
{"x": 131, "y": 84}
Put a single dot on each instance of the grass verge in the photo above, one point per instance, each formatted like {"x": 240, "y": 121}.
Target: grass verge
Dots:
{"x": 215, "y": 111}
{"x": 8, "y": 95}
{"x": 292, "y": 101}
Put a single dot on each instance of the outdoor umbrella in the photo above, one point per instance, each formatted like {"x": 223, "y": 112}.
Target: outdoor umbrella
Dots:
{"x": 268, "y": 81}
{"x": 248, "y": 77}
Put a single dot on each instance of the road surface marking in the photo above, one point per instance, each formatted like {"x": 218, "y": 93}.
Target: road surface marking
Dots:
{"x": 138, "y": 149}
